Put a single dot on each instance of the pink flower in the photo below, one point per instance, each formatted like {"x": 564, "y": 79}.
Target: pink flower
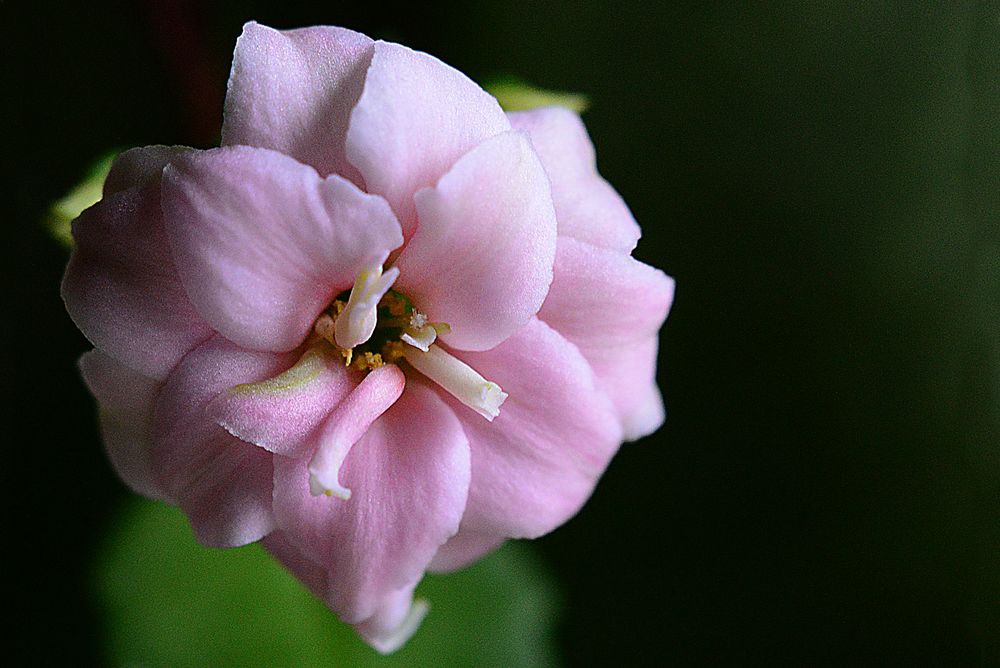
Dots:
{"x": 383, "y": 328}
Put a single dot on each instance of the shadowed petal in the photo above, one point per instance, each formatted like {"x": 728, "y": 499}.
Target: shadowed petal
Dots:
{"x": 121, "y": 286}
{"x": 263, "y": 243}
{"x": 463, "y": 549}
{"x": 481, "y": 260}
{"x": 415, "y": 118}
{"x": 312, "y": 574}
{"x": 222, "y": 483}
{"x": 536, "y": 464}
{"x": 587, "y": 207}
{"x": 141, "y": 166}
{"x": 409, "y": 476}
{"x": 293, "y": 91}
{"x": 125, "y": 401}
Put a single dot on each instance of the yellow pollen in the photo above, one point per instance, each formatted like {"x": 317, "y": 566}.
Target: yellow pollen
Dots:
{"x": 367, "y": 361}
{"x": 394, "y": 303}
{"x": 392, "y": 352}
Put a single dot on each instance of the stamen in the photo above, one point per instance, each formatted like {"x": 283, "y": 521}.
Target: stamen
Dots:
{"x": 458, "y": 378}
{"x": 419, "y": 333}
{"x": 347, "y": 424}
{"x": 356, "y": 323}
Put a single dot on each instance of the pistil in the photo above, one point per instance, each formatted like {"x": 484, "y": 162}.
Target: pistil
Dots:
{"x": 356, "y": 323}
{"x": 458, "y": 378}
{"x": 345, "y": 426}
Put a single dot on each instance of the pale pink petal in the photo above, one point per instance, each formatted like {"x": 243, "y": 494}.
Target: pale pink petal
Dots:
{"x": 538, "y": 461}
{"x": 121, "y": 286}
{"x": 409, "y": 476}
{"x": 612, "y": 306}
{"x": 279, "y": 414}
{"x": 125, "y": 402}
{"x": 293, "y": 91}
{"x": 395, "y": 621}
{"x": 347, "y": 424}
{"x": 263, "y": 243}
{"x": 140, "y": 166}
{"x": 462, "y": 549}
{"x": 222, "y": 483}
{"x": 481, "y": 259}
{"x": 601, "y": 297}
{"x": 587, "y": 207}
{"x": 415, "y": 118}
{"x": 628, "y": 375}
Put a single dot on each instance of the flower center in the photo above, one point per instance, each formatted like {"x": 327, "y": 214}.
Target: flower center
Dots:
{"x": 374, "y": 325}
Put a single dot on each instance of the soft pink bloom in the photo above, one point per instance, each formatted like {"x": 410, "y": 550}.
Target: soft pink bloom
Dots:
{"x": 366, "y": 198}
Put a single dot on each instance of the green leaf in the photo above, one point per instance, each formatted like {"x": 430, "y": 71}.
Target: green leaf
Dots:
{"x": 85, "y": 194}
{"x": 168, "y": 601}
{"x": 513, "y": 94}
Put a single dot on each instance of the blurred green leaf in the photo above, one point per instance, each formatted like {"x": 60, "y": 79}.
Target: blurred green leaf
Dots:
{"x": 168, "y": 601}
{"x": 513, "y": 94}
{"x": 85, "y": 194}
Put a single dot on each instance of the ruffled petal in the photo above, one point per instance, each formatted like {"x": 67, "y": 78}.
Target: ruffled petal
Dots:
{"x": 409, "y": 476}
{"x": 121, "y": 286}
{"x": 293, "y": 91}
{"x": 612, "y": 306}
{"x": 263, "y": 243}
{"x": 536, "y": 464}
{"x": 222, "y": 483}
{"x": 396, "y": 617}
{"x": 279, "y": 414}
{"x": 464, "y": 548}
{"x": 604, "y": 298}
{"x": 125, "y": 401}
{"x": 415, "y": 118}
{"x": 481, "y": 259}
{"x": 587, "y": 207}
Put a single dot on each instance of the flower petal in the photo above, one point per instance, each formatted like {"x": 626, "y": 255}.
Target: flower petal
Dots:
{"x": 481, "y": 259}
{"x": 222, "y": 483}
{"x": 280, "y": 413}
{"x": 140, "y": 167}
{"x": 346, "y": 425}
{"x": 263, "y": 243}
{"x": 312, "y": 574}
{"x": 415, "y": 118}
{"x": 395, "y": 621}
{"x": 409, "y": 476}
{"x": 612, "y": 306}
{"x": 538, "y": 461}
{"x": 628, "y": 376}
{"x": 121, "y": 286}
{"x": 587, "y": 207}
{"x": 462, "y": 549}
{"x": 125, "y": 400}
{"x": 293, "y": 91}
{"x": 604, "y": 298}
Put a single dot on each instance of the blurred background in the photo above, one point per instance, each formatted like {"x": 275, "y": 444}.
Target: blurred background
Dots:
{"x": 823, "y": 181}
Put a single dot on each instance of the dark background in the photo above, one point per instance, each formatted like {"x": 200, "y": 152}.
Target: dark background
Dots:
{"x": 823, "y": 181}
